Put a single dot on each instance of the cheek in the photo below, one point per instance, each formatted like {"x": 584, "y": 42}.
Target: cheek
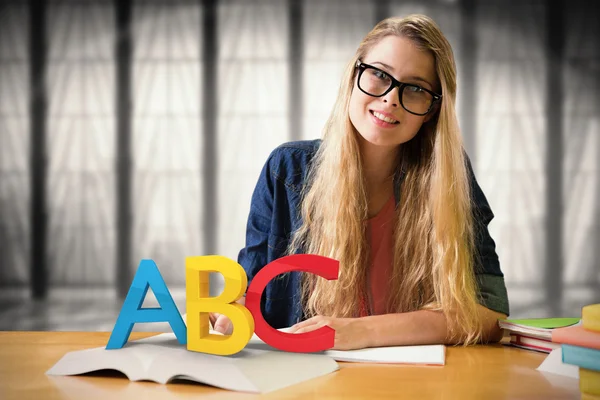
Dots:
{"x": 412, "y": 122}
{"x": 412, "y": 125}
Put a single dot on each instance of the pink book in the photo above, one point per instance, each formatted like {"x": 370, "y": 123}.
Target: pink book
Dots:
{"x": 577, "y": 336}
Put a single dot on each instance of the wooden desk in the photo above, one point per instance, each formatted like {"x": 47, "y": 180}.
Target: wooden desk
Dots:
{"x": 479, "y": 372}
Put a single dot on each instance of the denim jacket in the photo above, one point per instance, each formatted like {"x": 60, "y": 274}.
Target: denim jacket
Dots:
{"x": 274, "y": 215}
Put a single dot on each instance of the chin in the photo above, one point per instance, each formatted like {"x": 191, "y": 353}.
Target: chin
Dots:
{"x": 377, "y": 138}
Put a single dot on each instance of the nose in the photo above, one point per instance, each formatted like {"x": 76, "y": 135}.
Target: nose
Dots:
{"x": 393, "y": 97}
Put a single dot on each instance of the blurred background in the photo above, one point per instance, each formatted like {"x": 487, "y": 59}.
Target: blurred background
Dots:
{"x": 137, "y": 129}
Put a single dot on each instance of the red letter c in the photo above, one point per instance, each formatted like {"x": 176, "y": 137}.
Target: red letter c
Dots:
{"x": 317, "y": 340}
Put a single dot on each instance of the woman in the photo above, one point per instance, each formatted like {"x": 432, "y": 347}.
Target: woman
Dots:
{"x": 390, "y": 194}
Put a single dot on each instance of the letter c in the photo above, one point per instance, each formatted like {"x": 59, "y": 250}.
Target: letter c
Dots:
{"x": 317, "y": 340}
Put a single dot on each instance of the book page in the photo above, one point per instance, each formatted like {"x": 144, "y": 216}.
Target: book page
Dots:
{"x": 426, "y": 355}
{"x": 178, "y": 362}
{"x": 124, "y": 360}
{"x": 553, "y": 364}
{"x": 255, "y": 369}
{"x": 289, "y": 366}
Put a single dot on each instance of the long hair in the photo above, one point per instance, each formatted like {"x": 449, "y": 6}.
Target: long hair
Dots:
{"x": 433, "y": 255}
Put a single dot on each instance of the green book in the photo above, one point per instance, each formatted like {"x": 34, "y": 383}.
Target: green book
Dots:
{"x": 545, "y": 323}
{"x": 537, "y": 327}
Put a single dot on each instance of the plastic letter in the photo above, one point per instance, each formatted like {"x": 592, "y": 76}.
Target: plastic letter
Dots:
{"x": 147, "y": 276}
{"x": 317, "y": 340}
{"x": 199, "y": 304}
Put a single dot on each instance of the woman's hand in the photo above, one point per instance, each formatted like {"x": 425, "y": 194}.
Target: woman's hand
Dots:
{"x": 350, "y": 333}
{"x": 221, "y": 323}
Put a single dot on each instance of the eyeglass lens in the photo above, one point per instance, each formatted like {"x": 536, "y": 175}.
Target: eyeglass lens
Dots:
{"x": 413, "y": 98}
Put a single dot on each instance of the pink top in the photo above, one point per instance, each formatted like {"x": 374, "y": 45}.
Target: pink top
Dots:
{"x": 381, "y": 243}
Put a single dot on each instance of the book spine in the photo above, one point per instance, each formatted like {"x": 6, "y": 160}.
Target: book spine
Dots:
{"x": 587, "y": 396}
{"x": 546, "y": 345}
{"x": 589, "y": 381}
{"x": 577, "y": 336}
{"x": 581, "y": 356}
{"x": 590, "y": 316}
{"x": 521, "y": 336}
{"x": 521, "y": 341}
{"x": 531, "y": 347}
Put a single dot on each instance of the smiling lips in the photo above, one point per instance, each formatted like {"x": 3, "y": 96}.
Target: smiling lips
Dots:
{"x": 383, "y": 120}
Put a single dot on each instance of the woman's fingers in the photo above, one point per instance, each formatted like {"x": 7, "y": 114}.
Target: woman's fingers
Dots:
{"x": 309, "y": 328}
{"x": 309, "y": 325}
{"x": 223, "y": 325}
{"x": 304, "y": 324}
{"x": 220, "y": 323}
{"x": 213, "y": 318}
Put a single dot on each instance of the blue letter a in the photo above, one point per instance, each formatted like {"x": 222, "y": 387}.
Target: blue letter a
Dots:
{"x": 132, "y": 312}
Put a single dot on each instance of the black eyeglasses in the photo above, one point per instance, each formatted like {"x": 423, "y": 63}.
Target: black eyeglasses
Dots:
{"x": 377, "y": 83}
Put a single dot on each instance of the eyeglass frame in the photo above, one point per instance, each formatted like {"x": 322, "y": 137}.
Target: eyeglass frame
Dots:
{"x": 395, "y": 83}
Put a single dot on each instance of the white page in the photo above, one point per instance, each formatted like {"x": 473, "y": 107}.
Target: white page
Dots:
{"x": 554, "y": 365}
{"x": 271, "y": 369}
{"x": 425, "y": 355}
{"x": 127, "y": 361}
{"x": 161, "y": 358}
{"x": 219, "y": 371}
{"x": 543, "y": 333}
{"x": 257, "y": 368}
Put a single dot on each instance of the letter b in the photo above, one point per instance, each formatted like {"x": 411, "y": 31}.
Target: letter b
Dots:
{"x": 199, "y": 304}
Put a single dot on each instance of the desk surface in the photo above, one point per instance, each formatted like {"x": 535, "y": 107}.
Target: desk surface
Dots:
{"x": 478, "y": 372}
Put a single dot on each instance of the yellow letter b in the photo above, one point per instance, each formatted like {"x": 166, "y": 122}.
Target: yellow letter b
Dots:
{"x": 199, "y": 304}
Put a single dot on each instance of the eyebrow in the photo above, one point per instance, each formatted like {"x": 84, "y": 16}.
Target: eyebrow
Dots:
{"x": 414, "y": 77}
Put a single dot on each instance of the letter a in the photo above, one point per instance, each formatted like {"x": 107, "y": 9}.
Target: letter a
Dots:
{"x": 147, "y": 276}
{"x": 199, "y": 304}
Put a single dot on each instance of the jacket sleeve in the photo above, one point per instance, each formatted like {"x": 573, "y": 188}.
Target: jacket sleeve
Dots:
{"x": 255, "y": 253}
{"x": 490, "y": 279}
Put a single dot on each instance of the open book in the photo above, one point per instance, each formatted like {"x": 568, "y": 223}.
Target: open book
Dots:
{"x": 422, "y": 354}
{"x": 258, "y": 368}
{"x": 161, "y": 359}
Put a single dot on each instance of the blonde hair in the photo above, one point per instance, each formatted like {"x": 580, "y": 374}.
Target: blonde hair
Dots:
{"x": 433, "y": 262}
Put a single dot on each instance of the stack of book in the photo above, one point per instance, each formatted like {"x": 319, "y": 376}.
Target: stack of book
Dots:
{"x": 535, "y": 334}
{"x": 581, "y": 347}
